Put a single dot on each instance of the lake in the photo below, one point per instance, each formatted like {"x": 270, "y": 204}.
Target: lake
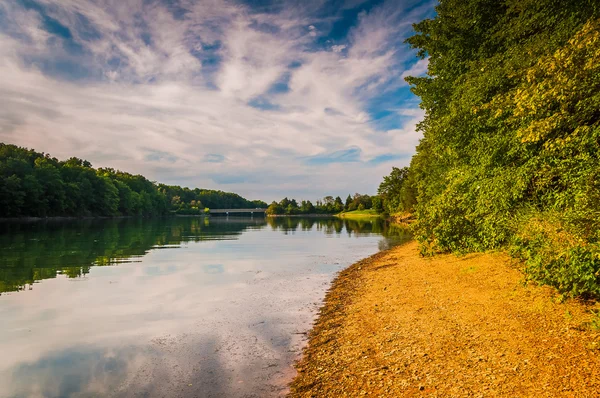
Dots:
{"x": 181, "y": 306}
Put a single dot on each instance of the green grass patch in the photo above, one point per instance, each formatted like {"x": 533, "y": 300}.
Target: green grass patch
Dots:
{"x": 359, "y": 214}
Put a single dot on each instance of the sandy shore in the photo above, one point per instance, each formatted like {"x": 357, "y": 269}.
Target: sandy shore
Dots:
{"x": 397, "y": 324}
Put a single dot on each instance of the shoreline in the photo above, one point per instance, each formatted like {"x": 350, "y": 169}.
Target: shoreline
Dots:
{"x": 396, "y": 324}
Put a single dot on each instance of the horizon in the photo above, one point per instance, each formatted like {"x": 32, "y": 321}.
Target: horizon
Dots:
{"x": 265, "y": 99}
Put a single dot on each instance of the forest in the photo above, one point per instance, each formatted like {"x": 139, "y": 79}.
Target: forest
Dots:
{"x": 34, "y": 184}
{"x": 510, "y": 151}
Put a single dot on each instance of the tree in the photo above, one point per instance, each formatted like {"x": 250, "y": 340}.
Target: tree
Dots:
{"x": 338, "y": 205}
{"x": 378, "y": 204}
{"x": 307, "y": 207}
{"x": 110, "y": 198}
{"x": 12, "y": 196}
{"x": 33, "y": 202}
{"x": 126, "y": 202}
{"x": 259, "y": 204}
{"x": 274, "y": 209}
{"x": 397, "y": 191}
{"x": 359, "y": 199}
{"x": 47, "y": 173}
{"x": 284, "y": 203}
{"x": 509, "y": 154}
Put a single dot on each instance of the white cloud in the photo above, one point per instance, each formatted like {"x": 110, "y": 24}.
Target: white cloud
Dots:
{"x": 417, "y": 69}
{"x": 182, "y": 85}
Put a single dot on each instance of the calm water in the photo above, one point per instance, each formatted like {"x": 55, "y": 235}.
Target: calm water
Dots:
{"x": 166, "y": 307}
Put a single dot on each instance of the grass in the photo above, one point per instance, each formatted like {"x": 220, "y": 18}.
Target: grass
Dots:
{"x": 359, "y": 214}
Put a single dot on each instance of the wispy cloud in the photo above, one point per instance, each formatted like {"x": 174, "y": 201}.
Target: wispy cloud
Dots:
{"x": 215, "y": 92}
{"x": 343, "y": 156}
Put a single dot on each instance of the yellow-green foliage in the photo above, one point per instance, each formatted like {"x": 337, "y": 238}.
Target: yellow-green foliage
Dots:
{"x": 511, "y": 147}
{"x": 558, "y": 96}
{"x": 359, "y": 214}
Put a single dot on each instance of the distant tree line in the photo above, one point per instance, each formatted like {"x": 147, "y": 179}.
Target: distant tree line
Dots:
{"x": 192, "y": 201}
{"x": 34, "y": 184}
{"x": 396, "y": 194}
{"x": 329, "y": 205}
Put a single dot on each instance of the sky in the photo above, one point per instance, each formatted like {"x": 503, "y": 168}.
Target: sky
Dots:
{"x": 265, "y": 98}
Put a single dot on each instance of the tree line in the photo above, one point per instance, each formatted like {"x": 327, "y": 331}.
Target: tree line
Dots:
{"x": 396, "y": 194}
{"x": 329, "y": 205}
{"x": 34, "y": 184}
{"x": 510, "y": 154}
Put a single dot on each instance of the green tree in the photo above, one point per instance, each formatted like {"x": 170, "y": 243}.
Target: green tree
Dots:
{"x": 34, "y": 202}
{"x": 259, "y": 204}
{"x": 307, "y": 207}
{"x": 378, "y": 204}
{"x": 47, "y": 173}
{"x": 110, "y": 197}
{"x": 274, "y": 209}
{"x": 284, "y": 203}
{"x": 397, "y": 191}
{"x": 12, "y": 196}
{"x": 338, "y": 205}
{"x": 510, "y": 154}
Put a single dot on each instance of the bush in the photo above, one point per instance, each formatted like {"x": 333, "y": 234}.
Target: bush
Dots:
{"x": 554, "y": 255}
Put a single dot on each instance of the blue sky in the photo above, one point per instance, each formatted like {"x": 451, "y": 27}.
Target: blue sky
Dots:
{"x": 264, "y": 98}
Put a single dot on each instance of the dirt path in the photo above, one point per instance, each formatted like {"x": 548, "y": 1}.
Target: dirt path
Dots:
{"x": 397, "y": 324}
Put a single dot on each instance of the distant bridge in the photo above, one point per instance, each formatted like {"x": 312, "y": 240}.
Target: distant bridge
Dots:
{"x": 237, "y": 211}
